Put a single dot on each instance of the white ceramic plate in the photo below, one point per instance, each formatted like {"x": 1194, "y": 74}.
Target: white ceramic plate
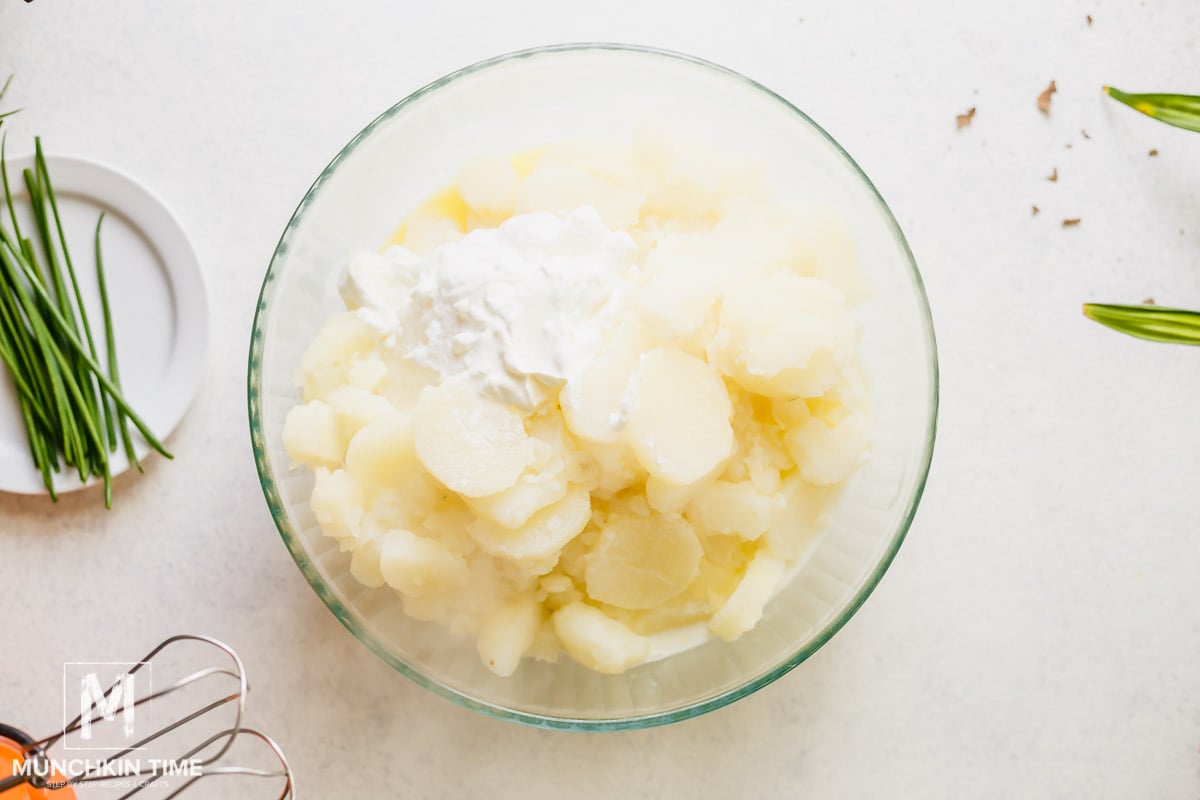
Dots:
{"x": 155, "y": 290}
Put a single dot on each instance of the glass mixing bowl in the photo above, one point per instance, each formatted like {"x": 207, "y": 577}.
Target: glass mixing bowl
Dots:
{"x": 511, "y": 104}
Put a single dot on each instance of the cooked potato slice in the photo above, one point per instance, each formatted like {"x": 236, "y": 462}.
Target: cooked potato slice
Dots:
{"x": 672, "y": 498}
{"x": 473, "y": 445}
{"x": 357, "y": 408}
{"x": 383, "y": 451}
{"x": 367, "y": 372}
{"x": 737, "y": 508}
{"x": 679, "y": 427}
{"x": 364, "y": 564}
{"x": 744, "y": 607}
{"x": 532, "y": 492}
{"x": 802, "y": 516}
{"x": 419, "y": 567}
{"x": 830, "y": 453}
{"x": 329, "y": 355}
{"x": 785, "y": 336}
{"x": 642, "y": 562}
{"x": 593, "y": 404}
{"x": 598, "y": 641}
{"x": 337, "y": 502}
{"x": 535, "y": 546}
{"x": 508, "y": 633}
{"x": 312, "y": 435}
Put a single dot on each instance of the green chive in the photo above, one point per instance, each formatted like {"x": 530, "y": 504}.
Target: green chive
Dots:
{"x": 94, "y": 397}
{"x": 24, "y": 392}
{"x": 10, "y": 327}
{"x": 12, "y": 209}
{"x": 110, "y": 345}
{"x": 1180, "y": 110}
{"x": 3, "y": 91}
{"x": 41, "y": 456}
{"x": 50, "y": 346}
{"x": 14, "y": 264}
{"x": 68, "y": 397}
{"x": 1171, "y": 325}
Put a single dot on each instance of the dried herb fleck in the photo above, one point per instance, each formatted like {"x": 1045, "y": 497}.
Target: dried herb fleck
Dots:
{"x": 963, "y": 120}
{"x": 1043, "y": 101}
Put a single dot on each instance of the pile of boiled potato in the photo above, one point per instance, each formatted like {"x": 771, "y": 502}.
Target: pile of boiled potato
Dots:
{"x": 672, "y": 484}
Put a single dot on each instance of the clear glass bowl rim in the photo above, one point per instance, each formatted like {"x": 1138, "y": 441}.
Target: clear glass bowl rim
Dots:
{"x": 346, "y": 617}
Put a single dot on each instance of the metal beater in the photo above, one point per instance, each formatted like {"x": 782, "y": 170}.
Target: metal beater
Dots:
{"x": 211, "y": 753}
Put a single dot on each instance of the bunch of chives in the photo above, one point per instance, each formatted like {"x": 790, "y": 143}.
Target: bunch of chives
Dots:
{"x": 72, "y": 407}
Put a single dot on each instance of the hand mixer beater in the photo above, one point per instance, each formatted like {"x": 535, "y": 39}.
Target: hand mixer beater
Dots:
{"x": 125, "y": 766}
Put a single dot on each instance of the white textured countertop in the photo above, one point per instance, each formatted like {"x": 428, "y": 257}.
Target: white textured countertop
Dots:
{"x": 1039, "y": 633}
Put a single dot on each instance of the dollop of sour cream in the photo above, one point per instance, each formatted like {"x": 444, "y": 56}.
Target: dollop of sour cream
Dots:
{"x": 511, "y": 312}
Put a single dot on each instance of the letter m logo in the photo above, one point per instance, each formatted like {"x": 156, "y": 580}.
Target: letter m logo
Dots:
{"x": 121, "y": 698}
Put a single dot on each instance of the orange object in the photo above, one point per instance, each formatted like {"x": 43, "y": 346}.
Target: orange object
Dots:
{"x": 11, "y": 756}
